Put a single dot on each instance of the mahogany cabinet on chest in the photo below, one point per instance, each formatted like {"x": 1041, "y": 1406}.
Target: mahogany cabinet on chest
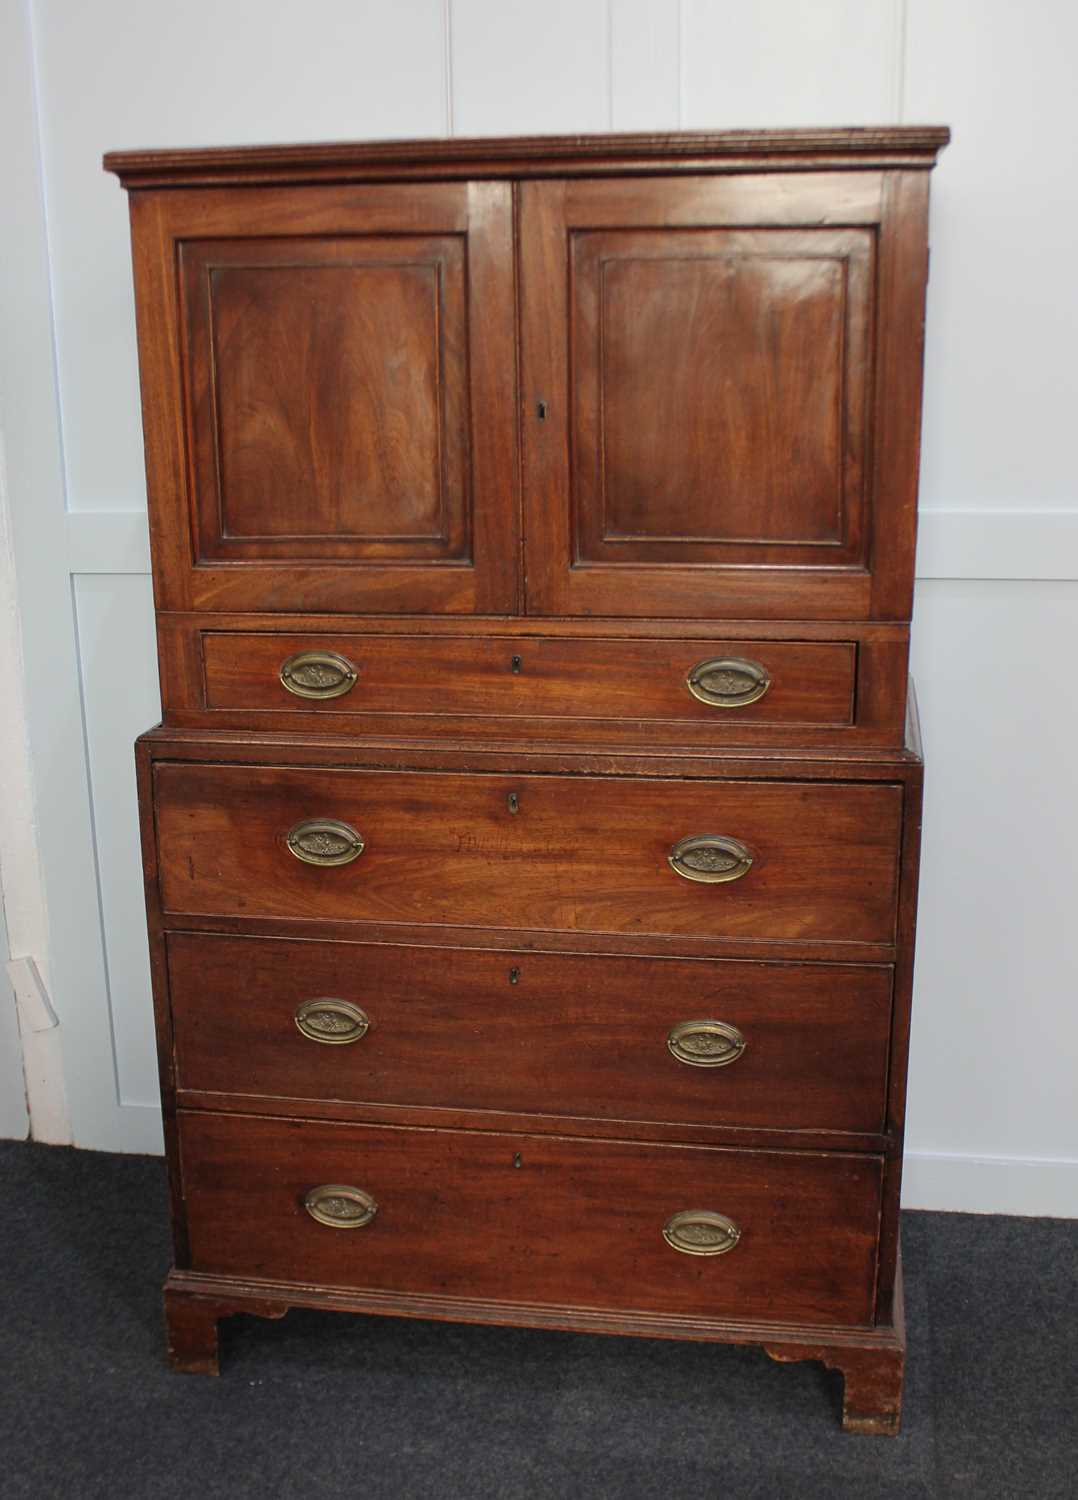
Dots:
{"x": 531, "y": 838}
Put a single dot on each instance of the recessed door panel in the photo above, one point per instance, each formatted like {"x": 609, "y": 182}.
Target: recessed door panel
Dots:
{"x": 719, "y": 395}
{"x": 328, "y": 390}
{"x": 344, "y": 359}
{"x": 727, "y": 426}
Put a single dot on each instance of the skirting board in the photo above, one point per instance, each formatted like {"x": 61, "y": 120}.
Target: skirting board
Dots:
{"x": 1027, "y": 1187}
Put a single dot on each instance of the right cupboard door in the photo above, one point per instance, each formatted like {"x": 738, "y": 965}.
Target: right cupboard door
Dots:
{"x": 721, "y": 386}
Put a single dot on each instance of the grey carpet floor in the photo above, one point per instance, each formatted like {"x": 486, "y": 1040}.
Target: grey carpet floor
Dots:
{"x": 386, "y": 1409}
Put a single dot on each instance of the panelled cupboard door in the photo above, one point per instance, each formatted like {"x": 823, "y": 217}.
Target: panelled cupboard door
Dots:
{"x": 328, "y": 396}
{"x": 721, "y": 392}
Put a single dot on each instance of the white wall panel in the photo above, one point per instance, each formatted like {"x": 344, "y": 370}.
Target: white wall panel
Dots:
{"x": 119, "y": 676}
{"x": 1001, "y": 381}
{"x": 995, "y": 1036}
{"x": 645, "y": 64}
{"x": 786, "y": 62}
{"x": 521, "y": 68}
{"x": 116, "y": 74}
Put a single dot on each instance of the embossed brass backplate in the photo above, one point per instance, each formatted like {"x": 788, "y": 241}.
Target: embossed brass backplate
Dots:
{"x": 701, "y": 1231}
{"x": 339, "y": 1206}
{"x": 319, "y": 674}
{"x": 332, "y": 1022}
{"x": 705, "y": 1044}
{"x": 710, "y": 857}
{"x": 325, "y": 841}
{"x": 728, "y": 681}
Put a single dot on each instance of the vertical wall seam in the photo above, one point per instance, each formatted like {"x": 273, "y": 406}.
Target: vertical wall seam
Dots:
{"x": 679, "y": 22}
{"x": 899, "y": 43}
{"x": 94, "y": 850}
{"x": 610, "y": 64}
{"x": 39, "y": 153}
{"x": 447, "y": 71}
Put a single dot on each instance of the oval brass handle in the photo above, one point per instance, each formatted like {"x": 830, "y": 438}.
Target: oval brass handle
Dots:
{"x": 705, "y": 1044}
{"x": 318, "y": 674}
{"x": 710, "y": 857}
{"x": 339, "y": 1206}
{"x": 701, "y": 1231}
{"x": 334, "y": 1022}
{"x": 325, "y": 841}
{"x": 728, "y": 681}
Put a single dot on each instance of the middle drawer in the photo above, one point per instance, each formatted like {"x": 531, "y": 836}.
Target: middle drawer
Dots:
{"x": 756, "y": 860}
{"x": 684, "y": 1041}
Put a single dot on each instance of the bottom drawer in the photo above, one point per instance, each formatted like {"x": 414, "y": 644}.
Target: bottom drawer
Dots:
{"x": 535, "y": 1219}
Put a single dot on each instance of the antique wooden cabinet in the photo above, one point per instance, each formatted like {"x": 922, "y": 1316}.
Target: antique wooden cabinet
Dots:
{"x": 531, "y": 839}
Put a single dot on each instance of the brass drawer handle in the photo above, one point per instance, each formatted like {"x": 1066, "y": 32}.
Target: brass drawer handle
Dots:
{"x": 325, "y": 841}
{"x": 710, "y": 857}
{"x": 333, "y": 1022}
{"x": 701, "y": 1231}
{"x": 339, "y": 1206}
{"x": 705, "y": 1044}
{"x": 319, "y": 674}
{"x": 728, "y": 681}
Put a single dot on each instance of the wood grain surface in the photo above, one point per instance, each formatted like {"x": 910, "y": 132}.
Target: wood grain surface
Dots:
{"x": 551, "y": 1034}
{"x": 810, "y": 682}
{"x": 534, "y": 1218}
{"x": 577, "y": 853}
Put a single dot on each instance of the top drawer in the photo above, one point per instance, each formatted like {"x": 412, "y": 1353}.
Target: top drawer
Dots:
{"x": 722, "y": 683}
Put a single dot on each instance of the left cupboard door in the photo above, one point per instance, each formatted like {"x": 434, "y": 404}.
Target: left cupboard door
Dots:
{"x": 328, "y": 389}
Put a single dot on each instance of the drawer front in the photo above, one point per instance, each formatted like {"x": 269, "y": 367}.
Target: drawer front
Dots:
{"x": 534, "y": 1219}
{"x": 774, "y": 1045}
{"x": 726, "y": 683}
{"x": 572, "y": 853}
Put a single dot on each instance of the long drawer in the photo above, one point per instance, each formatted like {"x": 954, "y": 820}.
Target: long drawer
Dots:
{"x": 537, "y": 1219}
{"x": 711, "y": 1042}
{"x": 726, "y": 683}
{"x": 757, "y": 860}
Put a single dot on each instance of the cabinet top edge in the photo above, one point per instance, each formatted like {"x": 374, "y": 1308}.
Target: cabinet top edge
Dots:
{"x": 725, "y": 150}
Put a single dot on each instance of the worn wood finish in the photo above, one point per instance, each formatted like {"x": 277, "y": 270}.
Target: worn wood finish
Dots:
{"x": 532, "y": 940}
{"x": 529, "y": 677}
{"x": 872, "y": 1377}
{"x": 733, "y": 511}
{"x": 550, "y": 1034}
{"x": 191, "y": 1325}
{"x": 534, "y": 1218}
{"x": 324, "y": 402}
{"x": 525, "y": 430}
{"x": 812, "y": 150}
{"x": 328, "y": 397}
{"x": 380, "y": 752}
{"x": 611, "y": 682}
{"x": 439, "y": 1117}
{"x": 719, "y": 394}
{"x": 249, "y": 1295}
{"x": 582, "y": 854}
{"x": 871, "y": 1360}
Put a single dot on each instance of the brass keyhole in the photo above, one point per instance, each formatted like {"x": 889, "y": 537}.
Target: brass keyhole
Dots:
{"x": 516, "y": 1158}
{"x": 515, "y": 665}
{"x": 514, "y": 976}
{"x": 514, "y": 802}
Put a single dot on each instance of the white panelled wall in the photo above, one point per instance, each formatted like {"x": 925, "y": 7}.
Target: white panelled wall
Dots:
{"x": 993, "y": 1112}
